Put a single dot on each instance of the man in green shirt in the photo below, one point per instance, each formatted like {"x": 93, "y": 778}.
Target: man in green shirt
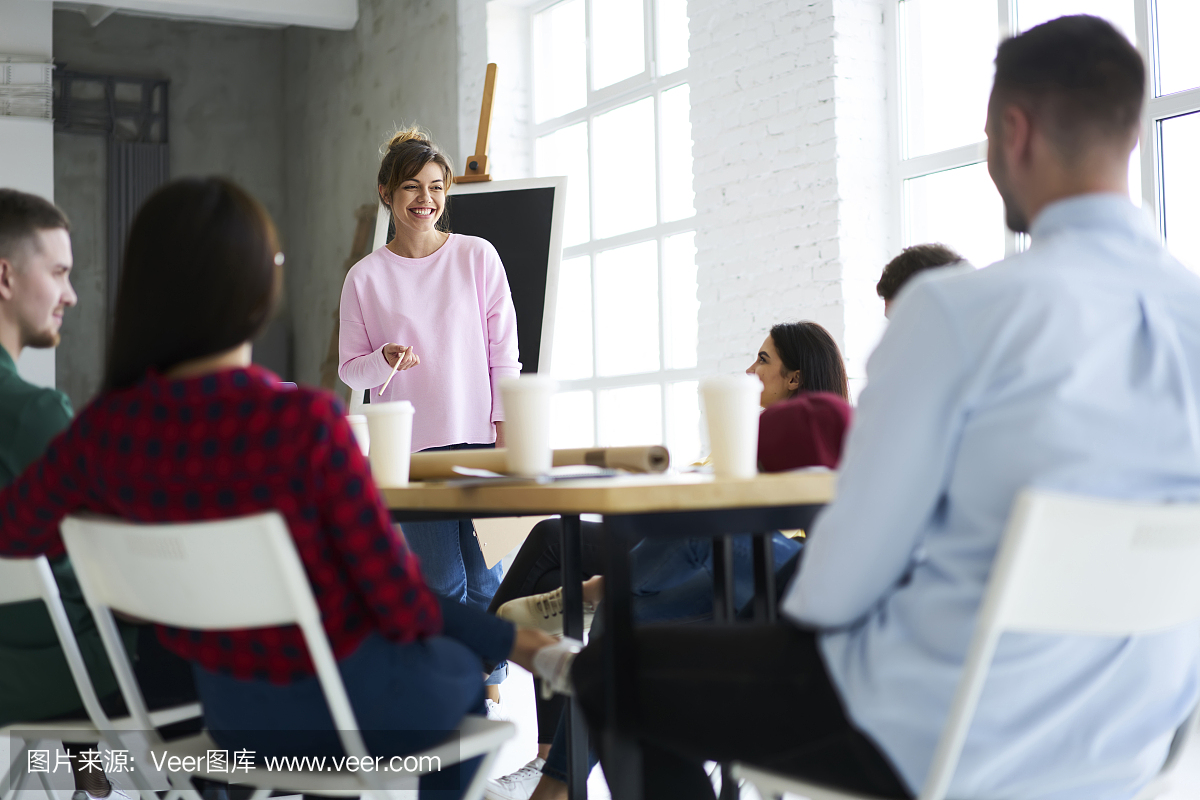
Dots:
{"x": 35, "y": 290}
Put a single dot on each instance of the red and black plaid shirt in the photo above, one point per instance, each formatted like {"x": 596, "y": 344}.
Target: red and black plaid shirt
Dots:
{"x": 227, "y": 445}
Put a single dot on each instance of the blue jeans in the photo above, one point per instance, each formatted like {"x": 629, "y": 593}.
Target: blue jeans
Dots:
{"x": 673, "y": 582}
{"x": 452, "y": 563}
{"x": 673, "y": 579}
{"x": 405, "y": 697}
{"x": 453, "y": 567}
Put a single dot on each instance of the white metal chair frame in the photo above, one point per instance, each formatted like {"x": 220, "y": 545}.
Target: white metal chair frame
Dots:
{"x": 26, "y": 579}
{"x": 233, "y": 574}
{"x": 1067, "y": 565}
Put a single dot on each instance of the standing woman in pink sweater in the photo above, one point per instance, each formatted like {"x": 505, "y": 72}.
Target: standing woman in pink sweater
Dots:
{"x": 439, "y": 304}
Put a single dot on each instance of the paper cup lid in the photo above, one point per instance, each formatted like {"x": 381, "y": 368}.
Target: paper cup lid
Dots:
{"x": 393, "y": 407}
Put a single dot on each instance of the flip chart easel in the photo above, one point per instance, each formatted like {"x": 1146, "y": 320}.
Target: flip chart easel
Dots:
{"x": 477, "y": 164}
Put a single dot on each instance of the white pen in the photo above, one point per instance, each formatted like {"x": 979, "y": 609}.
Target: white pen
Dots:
{"x": 399, "y": 358}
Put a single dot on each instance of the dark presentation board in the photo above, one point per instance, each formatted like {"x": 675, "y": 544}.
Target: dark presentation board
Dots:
{"x": 523, "y": 221}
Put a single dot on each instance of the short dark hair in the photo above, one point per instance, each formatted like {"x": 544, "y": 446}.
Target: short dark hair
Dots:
{"x": 807, "y": 347}
{"x": 1079, "y": 75}
{"x": 22, "y": 215}
{"x": 912, "y": 260}
{"x": 200, "y": 277}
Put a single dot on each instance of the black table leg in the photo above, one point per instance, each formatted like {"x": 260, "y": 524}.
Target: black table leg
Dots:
{"x": 722, "y": 555}
{"x": 729, "y": 784}
{"x": 620, "y": 736}
{"x": 764, "y": 578}
{"x": 572, "y": 578}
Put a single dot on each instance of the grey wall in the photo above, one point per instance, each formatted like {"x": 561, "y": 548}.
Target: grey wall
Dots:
{"x": 297, "y": 116}
{"x": 226, "y": 118}
{"x": 79, "y": 188}
{"x": 346, "y": 93}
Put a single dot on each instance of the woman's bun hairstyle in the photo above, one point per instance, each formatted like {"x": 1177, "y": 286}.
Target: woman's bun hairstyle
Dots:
{"x": 406, "y": 154}
{"x": 413, "y": 133}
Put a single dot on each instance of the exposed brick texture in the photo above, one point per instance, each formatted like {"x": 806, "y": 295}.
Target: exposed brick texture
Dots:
{"x": 789, "y": 120}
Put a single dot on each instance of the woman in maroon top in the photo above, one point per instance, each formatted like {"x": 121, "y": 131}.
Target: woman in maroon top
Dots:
{"x": 805, "y": 418}
{"x": 187, "y": 429}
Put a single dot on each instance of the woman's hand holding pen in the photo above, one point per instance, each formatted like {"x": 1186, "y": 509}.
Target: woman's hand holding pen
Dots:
{"x": 394, "y": 353}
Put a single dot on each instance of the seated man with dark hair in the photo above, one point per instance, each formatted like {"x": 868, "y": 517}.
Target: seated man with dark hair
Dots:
{"x": 914, "y": 259}
{"x": 1072, "y": 366}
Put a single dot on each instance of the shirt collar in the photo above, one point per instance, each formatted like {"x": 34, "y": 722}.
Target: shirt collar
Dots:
{"x": 1103, "y": 210}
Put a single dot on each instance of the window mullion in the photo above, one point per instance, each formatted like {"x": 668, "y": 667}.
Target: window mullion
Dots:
{"x": 1156, "y": 169}
{"x": 1151, "y": 149}
{"x": 587, "y": 47}
{"x": 1007, "y": 17}
{"x": 650, "y": 38}
{"x": 1008, "y": 26}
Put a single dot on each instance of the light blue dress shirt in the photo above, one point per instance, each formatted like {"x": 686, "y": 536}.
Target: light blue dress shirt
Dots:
{"x": 1072, "y": 366}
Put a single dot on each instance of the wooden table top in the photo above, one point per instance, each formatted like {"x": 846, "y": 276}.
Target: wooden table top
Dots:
{"x": 626, "y": 494}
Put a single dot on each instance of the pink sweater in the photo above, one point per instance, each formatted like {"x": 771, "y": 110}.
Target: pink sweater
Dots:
{"x": 455, "y": 309}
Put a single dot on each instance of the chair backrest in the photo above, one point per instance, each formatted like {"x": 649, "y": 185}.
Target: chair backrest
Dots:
{"x": 20, "y": 580}
{"x": 24, "y": 579}
{"x": 1076, "y": 565}
{"x": 216, "y": 575}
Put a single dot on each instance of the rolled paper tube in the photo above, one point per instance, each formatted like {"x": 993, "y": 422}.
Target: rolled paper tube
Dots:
{"x": 652, "y": 458}
{"x": 440, "y": 464}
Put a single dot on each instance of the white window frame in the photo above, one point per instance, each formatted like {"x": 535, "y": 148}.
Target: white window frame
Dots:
{"x": 646, "y": 84}
{"x": 1157, "y": 109}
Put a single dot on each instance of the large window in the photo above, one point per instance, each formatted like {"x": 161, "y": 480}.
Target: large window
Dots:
{"x": 611, "y": 112}
{"x": 945, "y": 51}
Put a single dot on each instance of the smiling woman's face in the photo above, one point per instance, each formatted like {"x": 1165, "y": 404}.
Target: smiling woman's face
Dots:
{"x": 779, "y": 383}
{"x": 418, "y": 203}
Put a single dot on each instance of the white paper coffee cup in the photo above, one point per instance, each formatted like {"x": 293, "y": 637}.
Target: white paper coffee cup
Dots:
{"x": 358, "y": 424}
{"x": 389, "y": 426}
{"x": 527, "y": 401}
{"x": 731, "y": 409}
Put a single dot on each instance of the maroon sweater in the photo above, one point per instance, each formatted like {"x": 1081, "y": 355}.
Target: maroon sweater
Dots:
{"x": 806, "y": 431}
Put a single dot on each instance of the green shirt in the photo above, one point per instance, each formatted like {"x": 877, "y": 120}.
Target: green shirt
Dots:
{"x": 35, "y": 682}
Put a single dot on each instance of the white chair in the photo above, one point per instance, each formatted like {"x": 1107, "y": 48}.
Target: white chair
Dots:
{"x": 1068, "y": 565}
{"x": 26, "y": 579}
{"x": 230, "y": 574}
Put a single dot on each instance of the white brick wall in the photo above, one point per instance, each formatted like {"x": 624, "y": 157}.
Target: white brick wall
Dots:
{"x": 497, "y": 32}
{"x": 789, "y": 120}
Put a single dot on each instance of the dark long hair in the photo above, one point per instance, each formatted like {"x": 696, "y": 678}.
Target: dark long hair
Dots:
{"x": 200, "y": 276}
{"x": 807, "y": 347}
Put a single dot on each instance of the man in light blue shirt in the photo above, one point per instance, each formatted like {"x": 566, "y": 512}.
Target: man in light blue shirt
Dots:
{"x": 1072, "y": 366}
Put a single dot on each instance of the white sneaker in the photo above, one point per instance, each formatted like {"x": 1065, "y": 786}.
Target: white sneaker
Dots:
{"x": 494, "y": 711}
{"x": 553, "y": 665}
{"x": 517, "y": 786}
{"x": 543, "y": 611}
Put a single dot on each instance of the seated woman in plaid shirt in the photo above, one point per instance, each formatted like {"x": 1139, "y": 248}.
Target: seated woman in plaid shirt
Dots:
{"x": 186, "y": 428}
